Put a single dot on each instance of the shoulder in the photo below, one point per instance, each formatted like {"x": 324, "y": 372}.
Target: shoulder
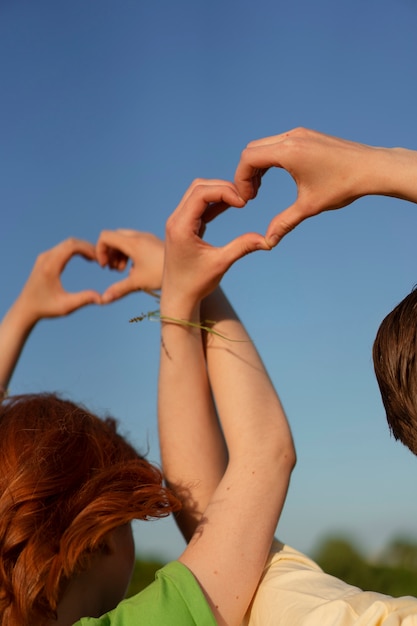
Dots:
{"x": 295, "y": 590}
{"x": 174, "y": 598}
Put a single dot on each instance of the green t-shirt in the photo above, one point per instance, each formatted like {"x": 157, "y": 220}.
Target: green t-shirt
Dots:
{"x": 174, "y": 599}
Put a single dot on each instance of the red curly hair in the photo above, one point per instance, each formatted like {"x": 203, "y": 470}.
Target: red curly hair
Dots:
{"x": 67, "y": 478}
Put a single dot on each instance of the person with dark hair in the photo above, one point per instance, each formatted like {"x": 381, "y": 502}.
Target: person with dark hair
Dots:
{"x": 329, "y": 172}
{"x": 395, "y": 363}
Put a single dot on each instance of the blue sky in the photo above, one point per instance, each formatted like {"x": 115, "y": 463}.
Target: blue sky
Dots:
{"x": 109, "y": 110}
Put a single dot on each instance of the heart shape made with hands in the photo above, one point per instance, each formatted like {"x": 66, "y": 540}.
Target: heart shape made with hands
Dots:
{"x": 79, "y": 276}
{"x": 137, "y": 256}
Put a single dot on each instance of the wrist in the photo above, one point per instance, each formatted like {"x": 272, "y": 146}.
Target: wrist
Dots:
{"x": 175, "y": 307}
{"x": 391, "y": 172}
{"x": 401, "y": 174}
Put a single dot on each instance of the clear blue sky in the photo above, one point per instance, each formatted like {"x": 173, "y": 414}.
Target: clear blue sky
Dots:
{"x": 108, "y": 110}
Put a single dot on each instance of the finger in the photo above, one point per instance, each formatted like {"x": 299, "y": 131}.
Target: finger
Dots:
{"x": 128, "y": 232}
{"x": 112, "y": 249}
{"x": 69, "y": 248}
{"x": 213, "y": 210}
{"x": 284, "y": 223}
{"x": 206, "y": 183}
{"x": 242, "y": 246}
{"x": 203, "y": 193}
{"x": 272, "y": 139}
{"x": 105, "y": 242}
{"x": 119, "y": 290}
{"x": 74, "y": 301}
{"x": 253, "y": 164}
{"x": 262, "y": 154}
{"x": 117, "y": 260}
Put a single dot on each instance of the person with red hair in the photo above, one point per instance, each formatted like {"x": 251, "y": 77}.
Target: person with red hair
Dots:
{"x": 43, "y": 295}
{"x": 70, "y": 484}
{"x": 69, "y": 487}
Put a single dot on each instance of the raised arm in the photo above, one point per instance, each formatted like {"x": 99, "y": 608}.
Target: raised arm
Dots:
{"x": 42, "y": 296}
{"x": 228, "y": 549}
{"x": 329, "y": 172}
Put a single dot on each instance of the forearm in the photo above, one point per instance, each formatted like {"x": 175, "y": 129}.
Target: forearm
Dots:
{"x": 245, "y": 396}
{"x": 234, "y": 533}
{"x": 249, "y": 498}
{"x": 192, "y": 446}
{"x": 390, "y": 172}
{"x": 15, "y": 328}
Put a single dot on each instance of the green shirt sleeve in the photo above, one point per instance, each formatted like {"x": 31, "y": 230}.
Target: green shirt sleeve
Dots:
{"x": 174, "y": 599}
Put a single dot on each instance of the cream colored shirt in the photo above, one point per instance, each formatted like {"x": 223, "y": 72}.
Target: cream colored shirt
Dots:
{"x": 294, "y": 591}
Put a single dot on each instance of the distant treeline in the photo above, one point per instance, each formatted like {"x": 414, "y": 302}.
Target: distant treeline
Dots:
{"x": 393, "y": 573}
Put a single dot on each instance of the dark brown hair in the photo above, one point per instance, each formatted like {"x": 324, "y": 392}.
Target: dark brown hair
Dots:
{"x": 395, "y": 363}
{"x": 66, "y": 479}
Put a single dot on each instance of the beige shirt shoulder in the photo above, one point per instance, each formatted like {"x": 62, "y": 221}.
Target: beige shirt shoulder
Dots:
{"x": 294, "y": 591}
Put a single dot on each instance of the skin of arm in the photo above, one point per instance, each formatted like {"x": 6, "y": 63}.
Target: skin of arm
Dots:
{"x": 203, "y": 448}
{"x": 330, "y": 173}
{"x": 232, "y": 536}
{"x": 42, "y": 296}
{"x": 193, "y": 450}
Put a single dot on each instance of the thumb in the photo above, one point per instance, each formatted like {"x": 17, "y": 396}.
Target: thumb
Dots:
{"x": 76, "y": 301}
{"x": 242, "y": 246}
{"x": 118, "y": 290}
{"x": 284, "y": 223}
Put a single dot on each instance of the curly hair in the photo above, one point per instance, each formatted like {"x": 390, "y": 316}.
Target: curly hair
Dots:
{"x": 67, "y": 478}
{"x": 395, "y": 364}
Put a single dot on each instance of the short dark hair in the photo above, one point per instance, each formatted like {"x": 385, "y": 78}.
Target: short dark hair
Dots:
{"x": 395, "y": 363}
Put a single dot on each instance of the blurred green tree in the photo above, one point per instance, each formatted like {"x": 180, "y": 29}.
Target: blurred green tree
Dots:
{"x": 393, "y": 573}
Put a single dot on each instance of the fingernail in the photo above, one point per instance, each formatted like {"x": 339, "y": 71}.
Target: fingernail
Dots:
{"x": 263, "y": 246}
{"x": 106, "y": 298}
{"x": 272, "y": 240}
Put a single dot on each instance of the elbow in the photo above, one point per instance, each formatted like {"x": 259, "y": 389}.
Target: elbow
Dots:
{"x": 288, "y": 457}
{"x": 285, "y": 456}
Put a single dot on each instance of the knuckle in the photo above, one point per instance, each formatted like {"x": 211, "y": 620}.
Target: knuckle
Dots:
{"x": 299, "y": 130}
{"x": 246, "y": 152}
{"x": 198, "y": 182}
{"x": 170, "y": 225}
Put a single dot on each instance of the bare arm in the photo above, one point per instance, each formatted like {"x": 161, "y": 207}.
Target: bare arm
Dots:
{"x": 251, "y": 493}
{"x": 42, "y": 296}
{"x": 329, "y": 172}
